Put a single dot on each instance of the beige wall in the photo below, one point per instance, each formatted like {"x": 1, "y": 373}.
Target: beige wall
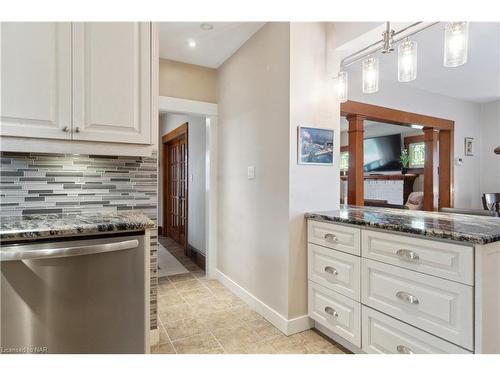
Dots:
{"x": 253, "y": 128}
{"x": 273, "y": 83}
{"x": 187, "y": 81}
{"x": 311, "y": 188}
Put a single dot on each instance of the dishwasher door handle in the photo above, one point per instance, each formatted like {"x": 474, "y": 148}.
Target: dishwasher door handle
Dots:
{"x": 13, "y": 254}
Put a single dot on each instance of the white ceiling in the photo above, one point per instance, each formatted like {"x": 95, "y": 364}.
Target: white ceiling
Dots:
{"x": 213, "y": 47}
{"x": 476, "y": 81}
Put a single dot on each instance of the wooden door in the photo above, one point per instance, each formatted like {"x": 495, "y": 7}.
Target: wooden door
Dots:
{"x": 36, "y": 79}
{"x": 177, "y": 194}
{"x": 112, "y": 82}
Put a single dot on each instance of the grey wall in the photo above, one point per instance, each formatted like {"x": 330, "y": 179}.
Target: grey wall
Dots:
{"x": 53, "y": 183}
{"x": 196, "y": 173}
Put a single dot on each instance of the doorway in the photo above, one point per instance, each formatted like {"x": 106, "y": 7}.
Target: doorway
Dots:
{"x": 175, "y": 191}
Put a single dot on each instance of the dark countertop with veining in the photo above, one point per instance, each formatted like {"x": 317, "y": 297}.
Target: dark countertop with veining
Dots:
{"x": 35, "y": 227}
{"x": 439, "y": 225}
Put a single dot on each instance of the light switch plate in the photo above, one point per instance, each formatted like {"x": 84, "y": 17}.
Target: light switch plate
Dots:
{"x": 251, "y": 172}
{"x": 191, "y": 177}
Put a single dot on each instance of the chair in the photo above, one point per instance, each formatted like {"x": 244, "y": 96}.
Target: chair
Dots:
{"x": 470, "y": 211}
{"x": 415, "y": 200}
{"x": 491, "y": 201}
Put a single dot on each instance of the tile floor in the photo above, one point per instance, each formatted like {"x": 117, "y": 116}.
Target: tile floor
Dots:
{"x": 201, "y": 316}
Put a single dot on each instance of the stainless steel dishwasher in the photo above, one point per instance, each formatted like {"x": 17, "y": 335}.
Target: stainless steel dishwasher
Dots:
{"x": 82, "y": 296}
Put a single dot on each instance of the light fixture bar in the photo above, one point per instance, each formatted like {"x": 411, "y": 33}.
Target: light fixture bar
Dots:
{"x": 379, "y": 45}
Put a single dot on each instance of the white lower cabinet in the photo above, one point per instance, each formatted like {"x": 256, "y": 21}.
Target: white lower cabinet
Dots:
{"x": 385, "y": 335}
{"x": 337, "y": 313}
{"x": 441, "y": 307}
{"x": 335, "y": 270}
{"x": 402, "y": 295}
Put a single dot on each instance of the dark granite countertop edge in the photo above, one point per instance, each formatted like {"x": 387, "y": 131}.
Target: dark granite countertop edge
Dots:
{"x": 437, "y": 234}
{"x": 46, "y": 231}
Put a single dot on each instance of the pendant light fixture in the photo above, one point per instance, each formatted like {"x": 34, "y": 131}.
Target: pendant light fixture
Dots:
{"x": 456, "y": 36}
{"x": 455, "y": 54}
{"x": 370, "y": 75}
{"x": 342, "y": 86}
{"x": 407, "y": 61}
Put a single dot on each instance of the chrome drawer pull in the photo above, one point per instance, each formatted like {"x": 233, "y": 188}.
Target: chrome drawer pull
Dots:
{"x": 407, "y": 297}
{"x": 404, "y": 349}
{"x": 407, "y": 254}
{"x": 330, "y": 311}
{"x": 330, "y": 237}
{"x": 331, "y": 270}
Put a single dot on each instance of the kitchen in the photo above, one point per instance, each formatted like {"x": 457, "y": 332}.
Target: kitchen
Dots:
{"x": 81, "y": 188}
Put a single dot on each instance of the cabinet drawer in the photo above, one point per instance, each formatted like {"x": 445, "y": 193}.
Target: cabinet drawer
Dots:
{"x": 334, "y": 236}
{"x": 449, "y": 261}
{"x": 441, "y": 307}
{"x": 385, "y": 335}
{"x": 339, "y": 314}
{"x": 335, "y": 270}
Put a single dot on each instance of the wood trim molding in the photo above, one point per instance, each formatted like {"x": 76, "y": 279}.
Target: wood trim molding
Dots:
{"x": 344, "y": 148}
{"x": 430, "y": 139}
{"x": 196, "y": 256}
{"x": 176, "y": 133}
{"x": 393, "y": 116}
{"x": 446, "y": 152}
{"x": 355, "y": 179}
{"x": 413, "y": 139}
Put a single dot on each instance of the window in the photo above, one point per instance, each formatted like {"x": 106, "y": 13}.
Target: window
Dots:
{"x": 417, "y": 155}
{"x": 344, "y": 161}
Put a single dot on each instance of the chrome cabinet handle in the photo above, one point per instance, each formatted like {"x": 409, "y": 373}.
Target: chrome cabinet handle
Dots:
{"x": 407, "y": 297}
{"x": 11, "y": 254}
{"x": 404, "y": 349}
{"x": 333, "y": 271}
{"x": 77, "y": 129}
{"x": 331, "y": 311}
{"x": 330, "y": 237}
{"x": 407, "y": 254}
{"x": 65, "y": 129}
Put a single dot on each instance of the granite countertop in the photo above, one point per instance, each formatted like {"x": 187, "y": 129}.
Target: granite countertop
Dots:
{"x": 439, "y": 225}
{"x": 34, "y": 227}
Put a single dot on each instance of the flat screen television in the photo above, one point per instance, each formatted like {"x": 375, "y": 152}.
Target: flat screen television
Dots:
{"x": 382, "y": 153}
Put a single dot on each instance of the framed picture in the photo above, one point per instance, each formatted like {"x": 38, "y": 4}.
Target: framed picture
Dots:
{"x": 315, "y": 146}
{"x": 469, "y": 146}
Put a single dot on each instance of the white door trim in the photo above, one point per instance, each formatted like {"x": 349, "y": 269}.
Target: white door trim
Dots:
{"x": 209, "y": 110}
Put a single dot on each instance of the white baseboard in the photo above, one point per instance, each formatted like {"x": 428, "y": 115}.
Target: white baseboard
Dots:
{"x": 154, "y": 337}
{"x": 287, "y": 326}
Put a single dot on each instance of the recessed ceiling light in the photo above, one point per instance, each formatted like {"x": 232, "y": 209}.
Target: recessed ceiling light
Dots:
{"x": 206, "y": 26}
{"x": 191, "y": 43}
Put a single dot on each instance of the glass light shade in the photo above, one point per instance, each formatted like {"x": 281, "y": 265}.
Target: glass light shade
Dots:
{"x": 407, "y": 61}
{"x": 456, "y": 38}
{"x": 370, "y": 75}
{"x": 341, "y": 86}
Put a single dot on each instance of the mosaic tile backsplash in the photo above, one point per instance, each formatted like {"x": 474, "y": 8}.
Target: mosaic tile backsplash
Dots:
{"x": 34, "y": 183}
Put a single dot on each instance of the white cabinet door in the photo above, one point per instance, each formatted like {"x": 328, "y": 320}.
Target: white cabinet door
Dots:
{"x": 36, "y": 79}
{"x": 112, "y": 82}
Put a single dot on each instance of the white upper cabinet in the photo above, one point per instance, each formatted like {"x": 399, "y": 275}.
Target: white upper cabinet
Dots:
{"x": 80, "y": 81}
{"x": 36, "y": 79}
{"x": 112, "y": 82}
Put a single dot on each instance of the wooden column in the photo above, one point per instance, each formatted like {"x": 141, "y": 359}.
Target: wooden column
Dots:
{"x": 356, "y": 181}
{"x": 430, "y": 169}
{"x": 446, "y": 168}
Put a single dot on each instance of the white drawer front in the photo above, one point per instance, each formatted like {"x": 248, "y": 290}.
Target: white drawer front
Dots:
{"x": 449, "y": 261}
{"x": 383, "y": 334}
{"x": 334, "y": 236}
{"x": 339, "y": 314}
{"x": 335, "y": 270}
{"x": 441, "y": 307}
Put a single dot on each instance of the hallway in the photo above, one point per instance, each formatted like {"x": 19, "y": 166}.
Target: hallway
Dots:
{"x": 201, "y": 316}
